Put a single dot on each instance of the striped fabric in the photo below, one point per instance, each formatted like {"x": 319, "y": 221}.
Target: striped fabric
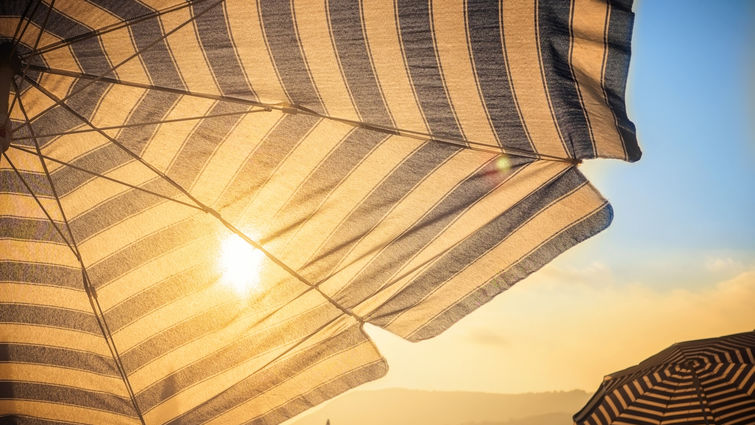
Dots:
{"x": 397, "y": 163}
{"x": 703, "y": 382}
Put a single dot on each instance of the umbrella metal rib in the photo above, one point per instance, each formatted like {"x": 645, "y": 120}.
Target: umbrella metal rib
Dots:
{"x": 47, "y": 172}
{"x": 41, "y": 29}
{"x": 206, "y": 208}
{"x": 298, "y": 109}
{"x": 199, "y": 205}
{"x": 21, "y": 21}
{"x": 430, "y": 260}
{"x": 406, "y": 273}
{"x": 166, "y": 121}
{"x": 12, "y": 57}
{"x": 59, "y": 101}
{"x": 109, "y": 28}
{"x": 99, "y": 314}
{"x": 99, "y": 129}
{"x": 89, "y": 289}
{"x": 94, "y": 302}
{"x": 33, "y": 195}
{"x": 276, "y": 358}
{"x": 91, "y": 292}
{"x": 17, "y": 39}
{"x": 232, "y": 228}
{"x": 286, "y": 108}
{"x": 76, "y": 167}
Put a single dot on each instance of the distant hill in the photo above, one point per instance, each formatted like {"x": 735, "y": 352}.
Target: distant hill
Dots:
{"x": 413, "y": 407}
{"x": 546, "y": 419}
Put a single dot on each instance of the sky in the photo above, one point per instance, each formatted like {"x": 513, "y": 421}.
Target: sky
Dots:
{"x": 678, "y": 261}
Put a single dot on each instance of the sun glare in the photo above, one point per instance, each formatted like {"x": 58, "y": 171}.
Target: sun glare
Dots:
{"x": 240, "y": 264}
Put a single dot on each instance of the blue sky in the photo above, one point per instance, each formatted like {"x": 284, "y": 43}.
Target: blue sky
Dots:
{"x": 690, "y": 93}
{"x": 691, "y": 199}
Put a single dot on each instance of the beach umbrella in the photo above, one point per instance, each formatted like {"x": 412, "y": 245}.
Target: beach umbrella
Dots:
{"x": 707, "y": 382}
{"x": 202, "y": 203}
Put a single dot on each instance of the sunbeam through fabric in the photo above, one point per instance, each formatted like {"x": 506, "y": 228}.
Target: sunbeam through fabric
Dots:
{"x": 202, "y": 203}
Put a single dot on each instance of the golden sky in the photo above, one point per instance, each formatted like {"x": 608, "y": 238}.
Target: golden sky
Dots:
{"x": 565, "y": 328}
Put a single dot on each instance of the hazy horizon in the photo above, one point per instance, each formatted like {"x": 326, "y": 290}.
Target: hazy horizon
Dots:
{"x": 401, "y": 406}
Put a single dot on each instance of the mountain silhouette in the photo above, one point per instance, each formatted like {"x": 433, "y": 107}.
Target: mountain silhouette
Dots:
{"x": 415, "y": 407}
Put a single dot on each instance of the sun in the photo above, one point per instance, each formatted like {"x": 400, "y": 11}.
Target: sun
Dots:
{"x": 240, "y": 264}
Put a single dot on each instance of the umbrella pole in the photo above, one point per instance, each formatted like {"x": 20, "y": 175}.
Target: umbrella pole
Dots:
{"x": 9, "y": 67}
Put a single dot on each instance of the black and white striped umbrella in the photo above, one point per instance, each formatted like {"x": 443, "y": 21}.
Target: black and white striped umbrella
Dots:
{"x": 704, "y": 382}
{"x": 201, "y": 203}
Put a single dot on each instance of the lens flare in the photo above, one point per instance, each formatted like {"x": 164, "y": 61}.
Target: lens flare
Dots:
{"x": 503, "y": 164}
{"x": 240, "y": 264}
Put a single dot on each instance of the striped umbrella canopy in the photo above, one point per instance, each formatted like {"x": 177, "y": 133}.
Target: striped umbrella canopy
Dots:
{"x": 704, "y": 382}
{"x": 202, "y": 203}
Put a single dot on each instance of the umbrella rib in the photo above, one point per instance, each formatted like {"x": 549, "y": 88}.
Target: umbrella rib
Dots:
{"x": 117, "y": 127}
{"x": 334, "y": 273}
{"x": 42, "y": 28}
{"x": 95, "y": 79}
{"x": 206, "y": 208}
{"x": 17, "y": 93}
{"x": 394, "y": 279}
{"x": 44, "y": 165}
{"x": 17, "y": 40}
{"x": 99, "y": 314}
{"x": 432, "y": 259}
{"x": 76, "y": 167}
{"x": 108, "y": 28}
{"x": 44, "y": 210}
{"x": 91, "y": 294}
{"x": 271, "y": 361}
{"x": 20, "y": 21}
{"x": 297, "y": 109}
